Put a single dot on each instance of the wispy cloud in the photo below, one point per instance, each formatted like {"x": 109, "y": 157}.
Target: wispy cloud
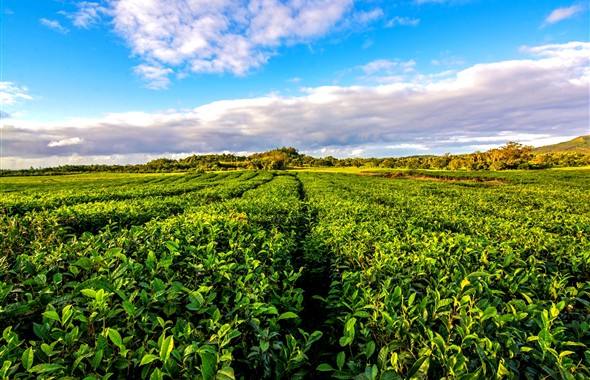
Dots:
{"x": 540, "y": 97}
{"x": 11, "y": 93}
{"x": 402, "y": 21}
{"x": 564, "y": 13}
{"x": 388, "y": 66}
{"x": 447, "y": 59}
{"x": 54, "y": 25}
{"x": 368, "y": 43}
{"x": 365, "y": 17}
{"x": 87, "y": 14}
{"x": 155, "y": 77}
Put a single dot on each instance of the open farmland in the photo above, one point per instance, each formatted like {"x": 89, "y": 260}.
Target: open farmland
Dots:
{"x": 259, "y": 274}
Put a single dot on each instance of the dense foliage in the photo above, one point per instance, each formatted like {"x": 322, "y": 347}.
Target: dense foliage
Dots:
{"x": 267, "y": 274}
{"x": 455, "y": 279}
{"x": 510, "y": 156}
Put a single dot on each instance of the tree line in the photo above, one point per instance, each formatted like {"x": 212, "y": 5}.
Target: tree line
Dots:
{"x": 510, "y": 156}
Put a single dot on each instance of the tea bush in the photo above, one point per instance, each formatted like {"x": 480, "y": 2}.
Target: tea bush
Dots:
{"x": 296, "y": 275}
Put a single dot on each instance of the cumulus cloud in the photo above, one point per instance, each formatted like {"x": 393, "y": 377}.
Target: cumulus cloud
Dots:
{"x": 232, "y": 36}
{"x": 54, "y": 25}
{"x": 560, "y": 14}
{"x": 402, "y": 21}
{"x": 220, "y": 36}
{"x": 11, "y": 93}
{"x": 541, "y": 97}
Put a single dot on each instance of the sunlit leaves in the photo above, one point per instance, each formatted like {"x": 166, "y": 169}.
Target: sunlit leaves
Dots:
{"x": 405, "y": 278}
{"x": 28, "y": 358}
{"x": 166, "y": 347}
{"x": 444, "y": 286}
{"x": 147, "y": 359}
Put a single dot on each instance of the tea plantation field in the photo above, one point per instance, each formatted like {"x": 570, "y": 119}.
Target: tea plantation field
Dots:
{"x": 258, "y": 274}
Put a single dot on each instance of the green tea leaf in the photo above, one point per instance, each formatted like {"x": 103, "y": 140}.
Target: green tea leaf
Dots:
{"x": 90, "y": 293}
{"x": 340, "y": 358}
{"x": 156, "y": 374}
{"x": 208, "y": 363}
{"x": 166, "y": 348}
{"x": 226, "y": 373}
{"x": 27, "y": 358}
{"x": 288, "y": 315}
{"x": 115, "y": 337}
{"x": 52, "y": 314}
{"x": 147, "y": 359}
{"x": 489, "y": 312}
{"x": 325, "y": 367}
{"x": 416, "y": 366}
{"x": 45, "y": 368}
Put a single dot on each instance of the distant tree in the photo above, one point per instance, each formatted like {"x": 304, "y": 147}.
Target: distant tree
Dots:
{"x": 509, "y": 156}
{"x": 457, "y": 163}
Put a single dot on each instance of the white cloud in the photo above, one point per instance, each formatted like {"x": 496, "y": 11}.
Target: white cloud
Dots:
{"x": 54, "y": 25}
{"x": 366, "y": 17}
{"x": 402, "y": 21}
{"x": 219, "y": 36}
{"x": 531, "y": 138}
{"x": 65, "y": 142}
{"x": 563, "y": 13}
{"x": 11, "y": 93}
{"x": 378, "y": 65}
{"x": 87, "y": 14}
{"x": 407, "y": 146}
{"x": 386, "y": 66}
{"x": 156, "y": 77}
{"x": 541, "y": 97}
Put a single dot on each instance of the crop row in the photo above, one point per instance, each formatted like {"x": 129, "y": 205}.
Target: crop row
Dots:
{"x": 211, "y": 291}
{"x": 37, "y": 229}
{"x": 427, "y": 283}
{"x": 19, "y": 202}
{"x": 230, "y": 275}
{"x": 27, "y": 185}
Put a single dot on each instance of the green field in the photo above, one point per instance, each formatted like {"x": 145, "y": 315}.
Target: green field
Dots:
{"x": 296, "y": 274}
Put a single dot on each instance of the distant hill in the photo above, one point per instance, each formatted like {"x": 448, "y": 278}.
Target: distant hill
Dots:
{"x": 579, "y": 144}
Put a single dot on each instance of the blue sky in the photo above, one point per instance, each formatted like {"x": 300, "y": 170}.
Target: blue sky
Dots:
{"x": 91, "y": 81}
